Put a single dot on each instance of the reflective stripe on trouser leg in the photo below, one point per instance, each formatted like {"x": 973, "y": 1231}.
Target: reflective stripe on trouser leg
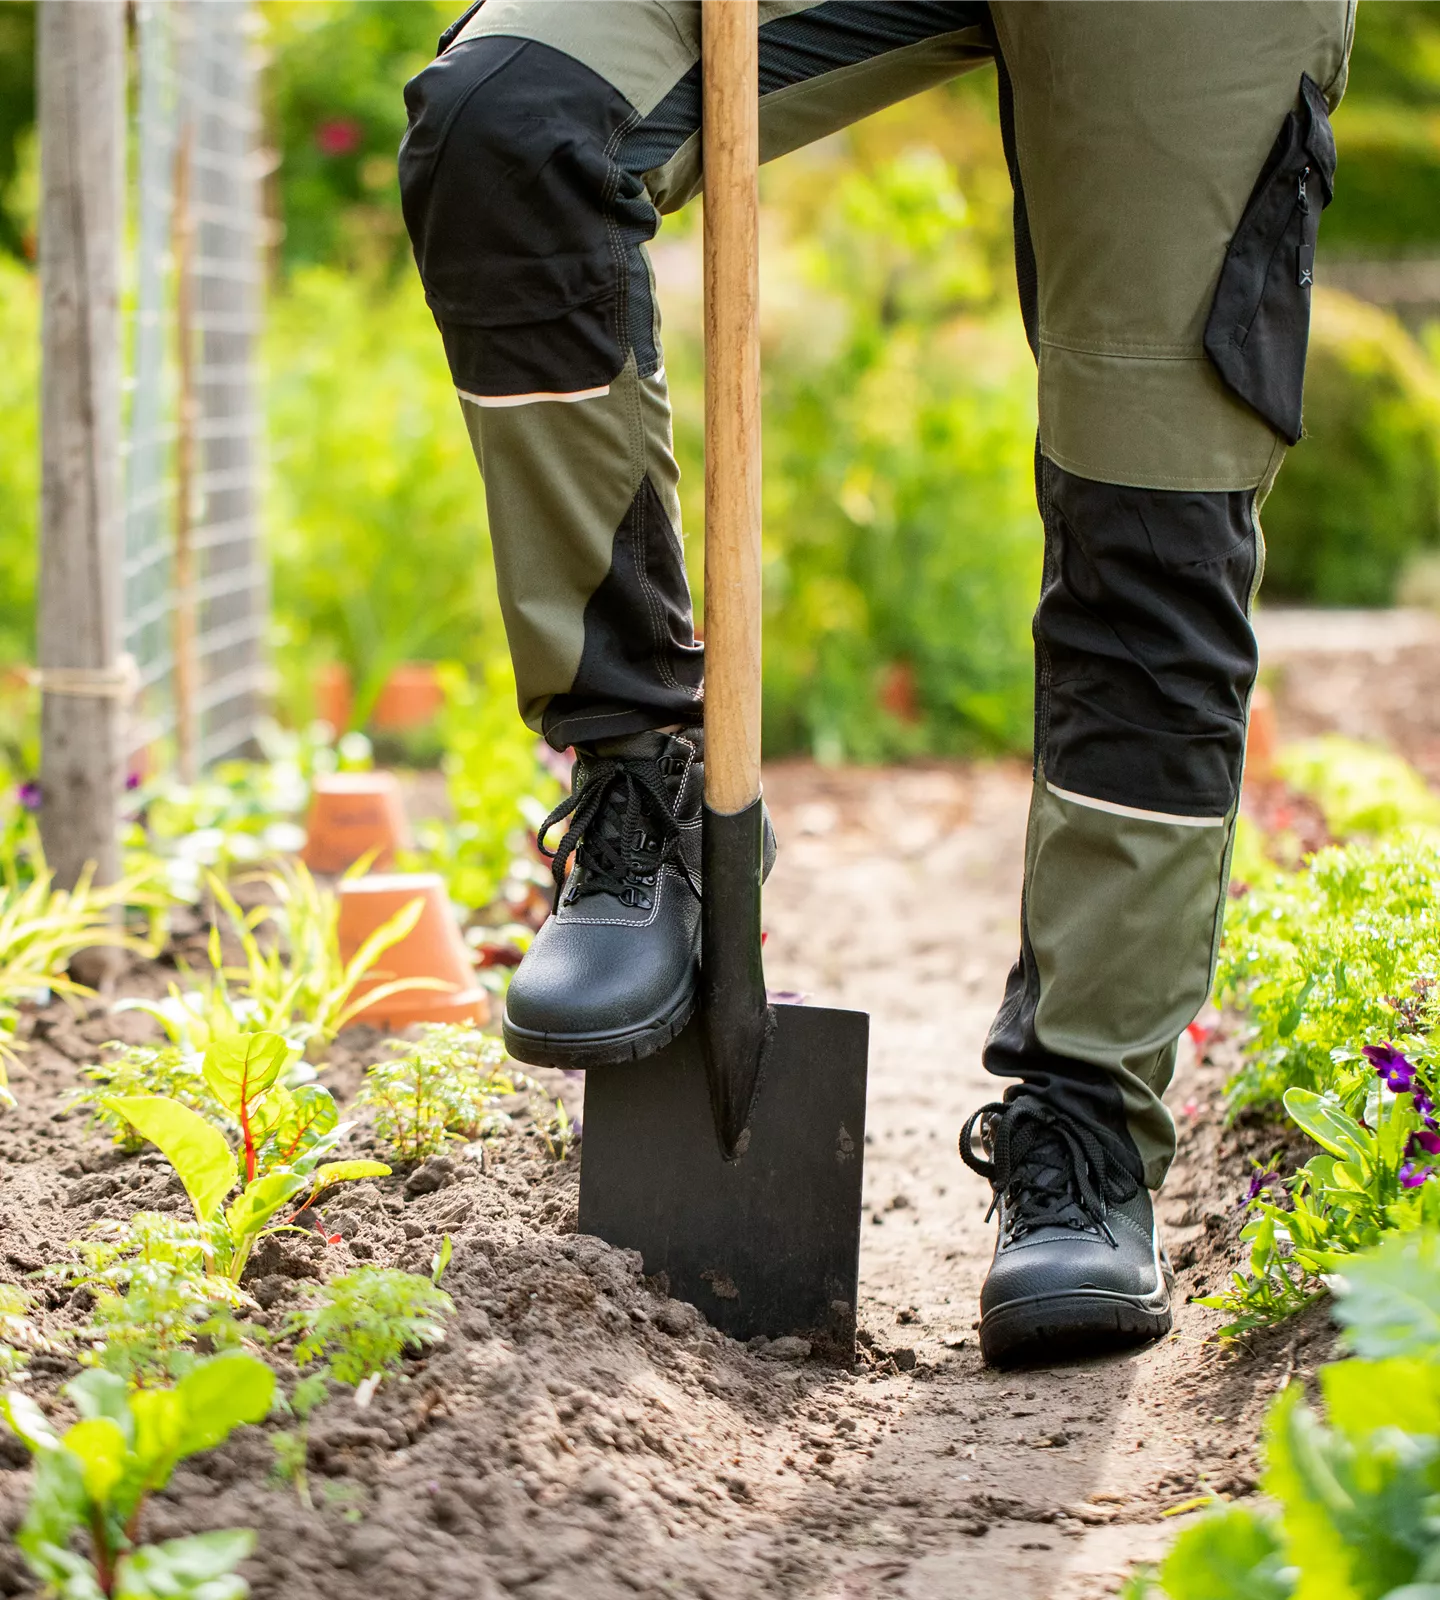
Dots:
{"x": 542, "y": 146}
{"x": 595, "y": 598}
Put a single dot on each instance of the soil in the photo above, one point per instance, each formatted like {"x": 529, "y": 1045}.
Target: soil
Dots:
{"x": 579, "y": 1435}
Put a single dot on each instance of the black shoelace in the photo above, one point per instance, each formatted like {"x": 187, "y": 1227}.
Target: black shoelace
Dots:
{"x": 622, "y": 824}
{"x": 1053, "y": 1172}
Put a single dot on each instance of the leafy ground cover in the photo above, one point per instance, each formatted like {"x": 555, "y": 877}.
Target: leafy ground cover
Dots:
{"x": 1333, "y": 967}
{"x": 1351, "y": 1486}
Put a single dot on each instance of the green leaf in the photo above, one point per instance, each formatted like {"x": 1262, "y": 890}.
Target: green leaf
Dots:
{"x": 346, "y": 1172}
{"x": 1402, "y": 1392}
{"x": 57, "y": 1507}
{"x": 1389, "y": 1298}
{"x": 159, "y": 1428}
{"x": 219, "y": 1395}
{"x": 28, "y": 1421}
{"x": 197, "y": 1151}
{"x": 1300, "y": 1476}
{"x": 241, "y": 1067}
{"x": 1232, "y": 1555}
{"x": 440, "y": 1260}
{"x": 254, "y": 1207}
{"x": 201, "y": 1567}
{"x": 99, "y": 1446}
{"x": 1328, "y": 1125}
{"x": 98, "y": 1393}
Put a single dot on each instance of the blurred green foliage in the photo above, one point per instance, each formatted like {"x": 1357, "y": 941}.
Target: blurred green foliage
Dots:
{"x": 902, "y": 547}
{"x": 1387, "y": 197}
{"x": 337, "y": 117}
{"x": 17, "y": 118}
{"x": 1359, "y": 499}
{"x": 902, "y": 550}
{"x": 376, "y": 511}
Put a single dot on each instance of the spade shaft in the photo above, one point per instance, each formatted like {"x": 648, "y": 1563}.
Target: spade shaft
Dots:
{"x": 732, "y": 979}
{"x": 731, "y": 133}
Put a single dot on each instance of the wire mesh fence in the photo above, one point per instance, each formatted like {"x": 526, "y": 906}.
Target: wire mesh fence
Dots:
{"x": 195, "y": 584}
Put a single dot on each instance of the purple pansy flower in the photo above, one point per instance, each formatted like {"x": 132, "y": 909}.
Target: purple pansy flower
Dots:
{"x": 1260, "y": 1181}
{"x": 1421, "y": 1148}
{"x": 1396, "y": 1071}
{"x": 28, "y": 794}
{"x": 1422, "y": 1142}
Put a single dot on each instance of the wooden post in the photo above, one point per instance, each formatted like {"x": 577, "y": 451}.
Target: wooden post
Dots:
{"x": 731, "y": 131}
{"x": 81, "y": 84}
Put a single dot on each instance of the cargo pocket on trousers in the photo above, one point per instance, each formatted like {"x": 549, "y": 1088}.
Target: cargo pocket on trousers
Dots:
{"x": 1259, "y": 324}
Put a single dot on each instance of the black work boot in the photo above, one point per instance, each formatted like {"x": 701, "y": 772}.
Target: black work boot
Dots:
{"x": 1078, "y": 1266}
{"x": 612, "y": 975}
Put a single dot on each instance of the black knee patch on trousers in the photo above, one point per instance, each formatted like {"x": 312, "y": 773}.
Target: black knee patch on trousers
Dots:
{"x": 520, "y": 216}
{"x": 1144, "y": 652}
{"x": 640, "y": 666}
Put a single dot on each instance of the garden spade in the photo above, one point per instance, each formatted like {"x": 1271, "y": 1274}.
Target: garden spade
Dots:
{"x": 732, "y": 1159}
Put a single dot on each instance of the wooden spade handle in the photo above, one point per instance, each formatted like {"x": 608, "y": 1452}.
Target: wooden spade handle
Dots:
{"x": 731, "y": 134}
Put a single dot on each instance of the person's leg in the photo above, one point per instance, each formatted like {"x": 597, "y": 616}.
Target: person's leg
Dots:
{"x": 1170, "y": 166}
{"x": 543, "y": 146}
{"x": 544, "y": 143}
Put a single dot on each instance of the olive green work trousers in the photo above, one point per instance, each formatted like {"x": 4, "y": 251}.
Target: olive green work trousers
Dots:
{"x": 1170, "y": 163}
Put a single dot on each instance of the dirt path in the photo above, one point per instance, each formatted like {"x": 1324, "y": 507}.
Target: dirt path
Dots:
{"x": 579, "y": 1436}
{"x": 899, "y": 893}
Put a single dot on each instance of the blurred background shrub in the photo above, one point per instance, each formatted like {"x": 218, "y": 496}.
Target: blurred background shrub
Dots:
{"x": 1359, "y": 499}
{"x": 902, "y": 549}
{"x": 376, "y": 516}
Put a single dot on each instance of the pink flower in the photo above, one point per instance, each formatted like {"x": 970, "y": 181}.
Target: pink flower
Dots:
{"x": 338, "y": 136}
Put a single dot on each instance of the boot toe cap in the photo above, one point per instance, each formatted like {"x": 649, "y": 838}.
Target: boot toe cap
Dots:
{"x": 575, "y": 982}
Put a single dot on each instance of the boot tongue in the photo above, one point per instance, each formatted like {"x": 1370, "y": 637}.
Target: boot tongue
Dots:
{"x": 650, "y": 745}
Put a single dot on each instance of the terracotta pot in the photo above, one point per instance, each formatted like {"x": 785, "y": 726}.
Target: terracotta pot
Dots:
{"x": 412, "y": 697}
{"x": 1262, "y": 739}
{"x": 434, "y": 948}
{"x": 351, "y": 813}
{"x": 334, "y": 695}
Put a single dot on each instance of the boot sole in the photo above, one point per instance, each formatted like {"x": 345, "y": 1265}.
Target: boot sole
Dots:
{"x": 579, "y": 1051}
{"x": 1059, "y": 1327}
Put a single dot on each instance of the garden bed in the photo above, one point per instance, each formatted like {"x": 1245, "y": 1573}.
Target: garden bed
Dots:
{"x": 577, "y": 1433}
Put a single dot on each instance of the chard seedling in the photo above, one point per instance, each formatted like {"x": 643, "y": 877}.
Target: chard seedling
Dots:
{"x": 361, "y": 1324}
{"x": 92, "y": 1481}
{"x": 283, "y": 1136}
